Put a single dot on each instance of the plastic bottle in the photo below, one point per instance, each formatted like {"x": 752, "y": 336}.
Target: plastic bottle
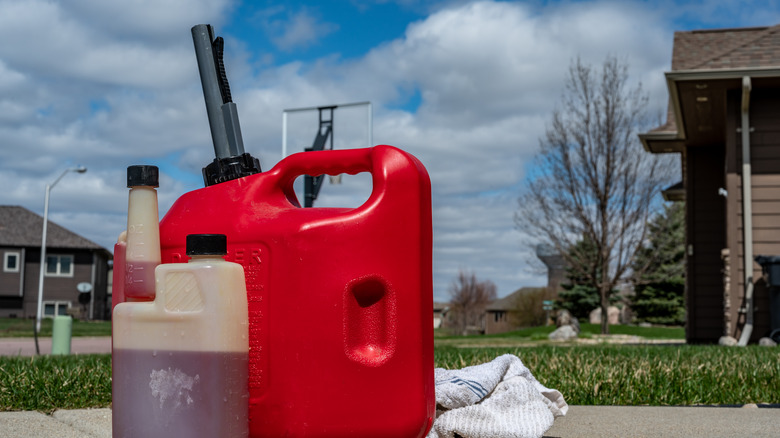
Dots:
{"x": 142, "y": 253}
{"x": 180, "y": 362}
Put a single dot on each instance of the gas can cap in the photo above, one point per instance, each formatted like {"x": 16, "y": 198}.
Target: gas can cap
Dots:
{"x": 143, "y": 176}
{"x": 206, "y": 244}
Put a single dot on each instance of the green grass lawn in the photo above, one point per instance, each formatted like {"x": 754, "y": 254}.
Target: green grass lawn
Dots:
{"x": 585, "y": 375}
{"x": 47, "y": 383}
{"x": 18, "y": 328}
{"x": 642, "y": 374}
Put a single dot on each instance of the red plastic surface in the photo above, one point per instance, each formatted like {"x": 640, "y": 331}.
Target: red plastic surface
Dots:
{"x": 340, "y": 300}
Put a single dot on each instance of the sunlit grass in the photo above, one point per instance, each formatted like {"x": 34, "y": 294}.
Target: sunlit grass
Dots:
{"x": 47, "y": 383}
{"x": 642, "y": 375}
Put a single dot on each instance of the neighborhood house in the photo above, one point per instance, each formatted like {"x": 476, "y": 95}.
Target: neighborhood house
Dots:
{"x": 71, "y": 260}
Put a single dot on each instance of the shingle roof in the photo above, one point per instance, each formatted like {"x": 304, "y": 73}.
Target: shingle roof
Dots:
{"x": 440, "y": 305}
{"x": 719, "y": 49}
{"x": 21, "y": 227}
{"x": 749, "y": 47}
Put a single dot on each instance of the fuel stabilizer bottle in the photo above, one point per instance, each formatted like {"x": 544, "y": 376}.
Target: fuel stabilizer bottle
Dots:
{"x": 180, "y": 361}
{"x": 142, "y": 242}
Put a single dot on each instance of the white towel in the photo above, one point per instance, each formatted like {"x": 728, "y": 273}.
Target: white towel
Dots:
{"x": 498, "y": 399}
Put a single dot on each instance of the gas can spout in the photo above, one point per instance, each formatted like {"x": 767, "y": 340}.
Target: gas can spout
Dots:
{"x": 231, "y": 160}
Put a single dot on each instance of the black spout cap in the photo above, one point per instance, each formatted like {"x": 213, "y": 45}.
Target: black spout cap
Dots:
{"x": 226, "y": 169}
{"x": 206, "y": 244}
{"x": 143, "y": 176}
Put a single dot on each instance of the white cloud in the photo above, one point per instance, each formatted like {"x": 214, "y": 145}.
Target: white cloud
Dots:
{"x": 48, "y": 41}
{"x": 291, "y": 30}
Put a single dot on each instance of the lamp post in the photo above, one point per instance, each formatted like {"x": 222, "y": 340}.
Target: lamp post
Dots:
{"x": 80, "y": 169}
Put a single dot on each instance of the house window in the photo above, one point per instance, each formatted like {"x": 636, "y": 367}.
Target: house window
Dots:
{"x": 499, "y": 316}
{"x": 55, "y": 308}
{"x": 59, "y": 265}
{"x": 11, "y": 262}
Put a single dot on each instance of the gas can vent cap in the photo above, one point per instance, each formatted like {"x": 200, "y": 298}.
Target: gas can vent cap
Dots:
{"x": 206, "y": 244}
{"x": 143, "y": 176}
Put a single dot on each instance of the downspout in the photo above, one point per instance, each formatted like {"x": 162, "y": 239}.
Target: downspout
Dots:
{"x": 747, "y": 214}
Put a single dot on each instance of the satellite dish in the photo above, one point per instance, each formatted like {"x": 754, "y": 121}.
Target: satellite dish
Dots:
{"x": 84, "y": 287}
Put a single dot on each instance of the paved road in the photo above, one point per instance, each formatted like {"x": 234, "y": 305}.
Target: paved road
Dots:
{"x": 78, "y": 345}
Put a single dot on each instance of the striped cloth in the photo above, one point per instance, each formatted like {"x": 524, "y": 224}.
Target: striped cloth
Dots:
{"x": 498, "y": 399}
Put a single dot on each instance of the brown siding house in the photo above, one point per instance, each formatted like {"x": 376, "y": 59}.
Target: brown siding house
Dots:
{"x": 70, "y": 260}
{"x": 719, "y": 80}
{"x": 501, "y": 314}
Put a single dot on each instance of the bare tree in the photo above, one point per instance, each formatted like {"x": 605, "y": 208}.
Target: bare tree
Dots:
{"x": 469, "y": 300}
{"x": 593, "y": 181}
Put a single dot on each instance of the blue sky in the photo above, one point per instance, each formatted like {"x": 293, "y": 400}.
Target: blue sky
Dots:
{"x": 465, "y": 86}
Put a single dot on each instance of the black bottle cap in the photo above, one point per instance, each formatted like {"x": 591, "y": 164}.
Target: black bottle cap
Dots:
{"x": 206, "y": 244}
{"x": 143, "y": 176}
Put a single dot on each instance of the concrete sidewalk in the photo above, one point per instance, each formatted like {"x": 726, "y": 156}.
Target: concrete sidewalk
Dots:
{"x": 668, "y": 422}
{"x": 580, "y": 422}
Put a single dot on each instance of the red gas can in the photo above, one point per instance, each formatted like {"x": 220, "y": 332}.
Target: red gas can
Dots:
{"x": 340, "y": 299}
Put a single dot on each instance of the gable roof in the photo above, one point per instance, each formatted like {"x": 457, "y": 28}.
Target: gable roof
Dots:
{"x": 509, "y": 302}
{"x": 21, "y": 227}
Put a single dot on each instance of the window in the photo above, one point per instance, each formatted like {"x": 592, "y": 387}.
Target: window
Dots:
{"x": 59, "y": 265}
{"x": 11, "y": 262}
{"x": 55, "y": 308}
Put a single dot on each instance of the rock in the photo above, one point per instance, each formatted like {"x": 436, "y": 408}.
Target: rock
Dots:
{"x": 563, "y": 333}
{"x": 613, "y": 315}
{"x": 767, "y": 342}
{"x": 645, "y": 325}
{"x": 595, "y": 316}
{"x": 750, "y": 406}
{"x": 564, "y": 318}
{"x": 575, "y": 324}
{"x": 727, "y": 341}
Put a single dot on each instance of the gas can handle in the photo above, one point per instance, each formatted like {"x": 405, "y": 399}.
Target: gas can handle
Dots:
{"x": 391, "y": 169}
{"x": 331, "y": 162}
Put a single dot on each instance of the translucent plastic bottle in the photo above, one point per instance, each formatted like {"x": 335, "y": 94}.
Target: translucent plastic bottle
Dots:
{"x": 142, "y": 253}
{"x": 180, "y": 362}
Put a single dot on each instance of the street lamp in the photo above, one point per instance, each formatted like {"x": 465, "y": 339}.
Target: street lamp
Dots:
{"x": 79, "y": 169}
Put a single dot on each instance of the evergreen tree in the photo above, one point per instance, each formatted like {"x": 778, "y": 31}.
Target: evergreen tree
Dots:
{"x": 659, "y": 280}
{"x": 579, "y": 296}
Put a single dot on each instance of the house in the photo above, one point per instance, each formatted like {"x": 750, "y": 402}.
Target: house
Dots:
{"x": 440, "y": 311}
{"x": 724, "y": 122}
{"x": 70, "y": 261}
{"x": 501, "y": 315}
